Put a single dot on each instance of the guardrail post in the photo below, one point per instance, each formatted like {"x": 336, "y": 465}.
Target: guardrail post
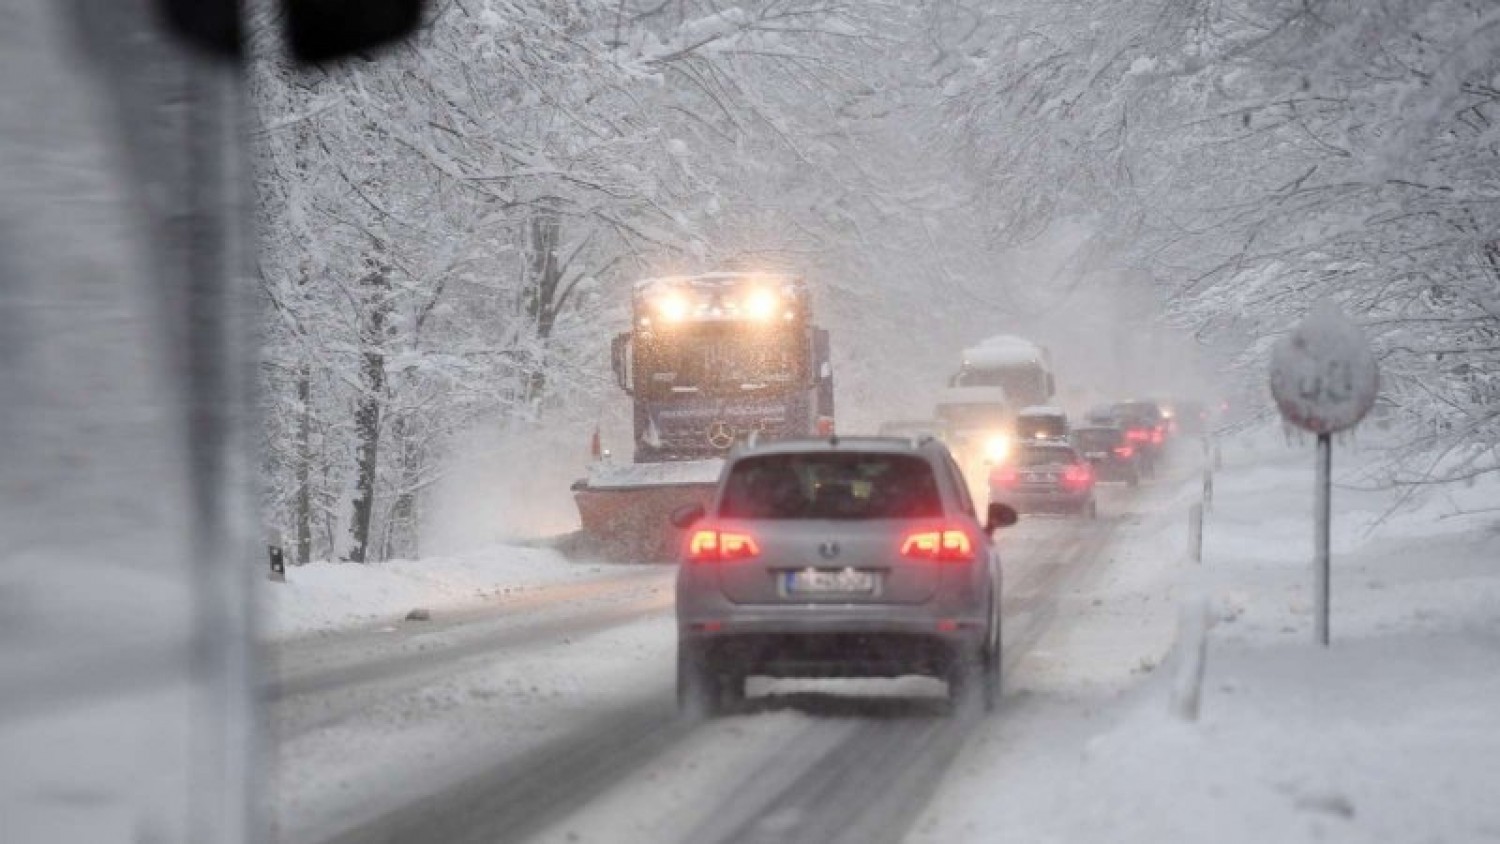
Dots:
{"x": 1192, "y": 658}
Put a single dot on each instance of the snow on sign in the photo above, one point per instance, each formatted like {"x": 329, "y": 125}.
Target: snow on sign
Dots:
{"x": 1323, "y": 374}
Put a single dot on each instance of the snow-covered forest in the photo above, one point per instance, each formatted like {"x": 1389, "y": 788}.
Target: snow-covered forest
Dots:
{"x": 449, "y": 235}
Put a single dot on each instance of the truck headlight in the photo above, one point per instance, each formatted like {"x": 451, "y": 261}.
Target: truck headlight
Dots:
{"x": 673, "y": 307}
{"x": 761, "y": 304}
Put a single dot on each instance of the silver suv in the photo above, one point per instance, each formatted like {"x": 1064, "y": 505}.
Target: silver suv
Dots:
{"x": 844, "y": 557}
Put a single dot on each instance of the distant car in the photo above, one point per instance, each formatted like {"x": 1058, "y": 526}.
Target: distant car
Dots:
{"x": 1044, "y": 477}
{"x": 847, "y": 557}
{"x": 1105, "y": 448}
{"x": 1145, "y": 428}
{"x": 1186, "y": 417}
{"x": 1042, "y": 422}
{"x": 977, "y": 421}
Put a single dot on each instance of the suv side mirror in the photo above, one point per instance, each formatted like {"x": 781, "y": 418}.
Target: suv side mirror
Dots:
{"x": 999, "y": 516}
{"x": 686, "y": 516}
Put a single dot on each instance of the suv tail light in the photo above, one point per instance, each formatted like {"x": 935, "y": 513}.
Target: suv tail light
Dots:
{"x": 1158, "y": 434}
{"x": 949, "y": 545}
{"x": 1124, "y": 451}
{"x": 1004, "y": 476}
{"x": 711, "y": 546}
{"x": 1138, "y": 435}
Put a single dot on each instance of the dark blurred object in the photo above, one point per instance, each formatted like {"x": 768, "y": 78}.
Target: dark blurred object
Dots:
{"x": 278, "y": 563}
{"x": 213, "y": 25}
{"x": 318, "y": 30}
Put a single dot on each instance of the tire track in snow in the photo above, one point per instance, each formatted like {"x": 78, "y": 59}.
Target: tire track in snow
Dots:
{"x": 518, "y": 797}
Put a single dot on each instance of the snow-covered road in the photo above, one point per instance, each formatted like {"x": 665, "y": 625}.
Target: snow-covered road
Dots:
{"x": 552, "y": 717}
{"x": 546, "y": 713}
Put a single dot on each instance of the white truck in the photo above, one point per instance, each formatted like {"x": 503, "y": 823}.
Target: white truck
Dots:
{"x": 995, "y": 380}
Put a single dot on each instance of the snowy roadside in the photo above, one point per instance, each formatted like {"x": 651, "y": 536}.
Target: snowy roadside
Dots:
{"x": 1391, "y": 735}
{"x": 402, "y": 740}
{"x": 343, "y": 754}
{"x": 323, "y": 596}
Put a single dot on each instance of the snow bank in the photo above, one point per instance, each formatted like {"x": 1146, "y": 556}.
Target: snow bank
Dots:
{"x": 1378, "y": 740}
{"x": 1389, "y": 735}
{"x": 327, "y": 596}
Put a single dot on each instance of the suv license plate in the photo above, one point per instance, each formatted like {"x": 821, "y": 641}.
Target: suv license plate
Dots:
{"x": 826, "y": 581}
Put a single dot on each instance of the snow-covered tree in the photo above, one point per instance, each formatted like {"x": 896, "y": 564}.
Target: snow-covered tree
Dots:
{"x": 1254, "y": 156}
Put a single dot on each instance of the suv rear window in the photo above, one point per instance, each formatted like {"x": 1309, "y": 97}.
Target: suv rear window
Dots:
{"x": 831, "y": 485}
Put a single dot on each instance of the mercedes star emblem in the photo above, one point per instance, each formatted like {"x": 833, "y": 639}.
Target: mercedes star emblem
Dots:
{"x": 720, "y": 435}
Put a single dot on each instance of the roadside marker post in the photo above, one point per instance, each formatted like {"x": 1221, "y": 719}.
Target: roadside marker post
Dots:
{"x": 1324, "y": 378}
{"x": 278, "y": 564}
{"x": 1195, "y": 532}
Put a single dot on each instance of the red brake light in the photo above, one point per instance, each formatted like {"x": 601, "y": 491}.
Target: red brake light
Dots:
{"x": 1156, "y": 435}
{"x": 1123, "y": 452}
{"x": 1077, "y": 476}
{"x": 703, "y": 546}
{"x": 1139, "y": 435}
{"x": 951, "y": 545}
{"x": 738, "y": 546}
{"x": 708, "y": 546}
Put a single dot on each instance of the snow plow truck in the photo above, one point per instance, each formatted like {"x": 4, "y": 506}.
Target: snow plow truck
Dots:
{"x": 709, "y": 361}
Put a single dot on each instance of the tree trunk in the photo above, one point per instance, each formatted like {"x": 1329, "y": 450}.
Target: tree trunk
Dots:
{"x": 376, "y": 304}
{"x": 541, "y": 305}
{"x": 303, "y": 515}
{"x": 405, "y": 522}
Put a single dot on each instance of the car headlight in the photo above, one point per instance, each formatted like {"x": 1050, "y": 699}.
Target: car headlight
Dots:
{"x": 997, "y": 448}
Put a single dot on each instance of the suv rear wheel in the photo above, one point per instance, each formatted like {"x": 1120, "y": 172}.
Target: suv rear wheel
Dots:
{"x": 704, "y": 690}
{"x": 974, "y": 681}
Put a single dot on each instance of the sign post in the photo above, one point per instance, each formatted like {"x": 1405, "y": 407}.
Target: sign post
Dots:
{"x": 1324, "y": 378}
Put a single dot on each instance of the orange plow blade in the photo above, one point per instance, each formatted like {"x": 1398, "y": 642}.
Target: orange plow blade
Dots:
{"x": 624, "y": 510}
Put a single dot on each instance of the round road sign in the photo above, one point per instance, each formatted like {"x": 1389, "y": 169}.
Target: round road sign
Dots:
{"x": 1323, "y": 374}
